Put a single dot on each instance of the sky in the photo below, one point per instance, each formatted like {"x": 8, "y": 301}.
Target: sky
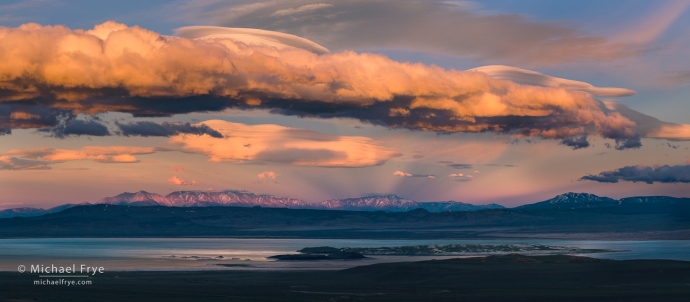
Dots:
{"x": 507, "y": 102}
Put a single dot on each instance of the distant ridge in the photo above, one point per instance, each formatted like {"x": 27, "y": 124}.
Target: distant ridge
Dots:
{"x": 572, "y": 200}
{"x": 389, "y": 203}
{"x": 585, "y": 200}
{"x": 31, "y": 212}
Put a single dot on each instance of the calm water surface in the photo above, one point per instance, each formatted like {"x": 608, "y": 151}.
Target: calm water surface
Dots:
{"x": 155, "y": 253}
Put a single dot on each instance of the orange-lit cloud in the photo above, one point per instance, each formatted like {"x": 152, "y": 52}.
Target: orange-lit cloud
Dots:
{"x": 109, "y": 154}
{"x": 278, "y": 144}
{"x": 268, "y": 175}
{"x": 179, "y": 169}
{"x": 118, "y": 68}
{"x": 181, "y": 182}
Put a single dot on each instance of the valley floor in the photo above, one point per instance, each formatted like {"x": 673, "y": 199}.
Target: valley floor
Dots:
{"x": 496, "y": 278}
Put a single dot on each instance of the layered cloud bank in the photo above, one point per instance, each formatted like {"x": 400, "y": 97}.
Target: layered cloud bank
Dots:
{"x": 48, "y": 74}
{"x": 647, "y": 174}
{"x": 222, "y": 141}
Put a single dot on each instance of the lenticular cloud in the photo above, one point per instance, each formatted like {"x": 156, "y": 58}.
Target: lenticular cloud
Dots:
{"x": 114, "y": 67}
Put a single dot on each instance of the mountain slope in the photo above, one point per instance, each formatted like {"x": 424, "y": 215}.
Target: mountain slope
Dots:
{"x": 445, "y": 206}
{"x": 390, "y": 203}
{"x": 571, "y": 201}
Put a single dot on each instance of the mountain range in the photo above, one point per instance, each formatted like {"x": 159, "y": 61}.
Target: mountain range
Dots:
{"x": 388, "y": 203}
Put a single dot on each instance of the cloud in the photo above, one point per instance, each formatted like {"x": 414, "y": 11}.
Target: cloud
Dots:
{"x": 251, "y": 36}
{"x": 13, "y": 163}
{"x": 17, "y": 115}
{"x": 650, "y": 28}
{"x": 529, "y": 77}
{"x": 403, "y": 174}
{"x": 77, "y": 127}
{"x": 109, "y": 154}
{"x": 576, "y": 143}
{"x": 179, "y": 169}
{"x": 278, "y": 144}
{"x": 268, "y": 175}
{"x": 459, "y": 177}
{"x": 129, "y": 69}
{"x": 301, "y": 9}
{"x": 423, "y": 26}
{"x": 460, "y": 166}
{"x": 651, "y": 127}
{"x": 645, "y": 125}
{"x": 647, "y": 174}
{"x": 181, "y": 182}
{"x": 146, "y": 128}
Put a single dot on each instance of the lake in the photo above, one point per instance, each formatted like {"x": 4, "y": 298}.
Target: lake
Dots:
{"x": 250, "y": 254}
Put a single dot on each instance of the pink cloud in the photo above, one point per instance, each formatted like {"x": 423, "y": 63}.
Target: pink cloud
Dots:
{"x": 181, "y": 182}
{"x": 179, "y": 169}
{"x": 101, "y": 154}
{"x": 268, "y": 175}
{"x": 402, "y": 174}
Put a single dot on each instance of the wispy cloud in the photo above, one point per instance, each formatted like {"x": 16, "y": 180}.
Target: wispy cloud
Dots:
{"x": 420, "y": 26}
{"x": 13, "y": 163}
{"x": 650, "y": 28}
{"x": 278, "y": 144}
{"x": 302, "y": 9}
{"x": 109, "y": 154}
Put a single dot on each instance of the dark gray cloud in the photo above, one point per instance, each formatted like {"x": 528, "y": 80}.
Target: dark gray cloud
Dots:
{"x": 461, "y": 179}
{"x": 29, "y": 115}
{"x": 576, "y": 143}
{"x": 77, "y": 128}
{"x": 460, "y": 166}
{"x": 453, "y": 165}
{"x": 647, "y": 174}
{"x": 146, "y": 128}
{"x": 628, "y": 143}
{"x": 446, "y": 27}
